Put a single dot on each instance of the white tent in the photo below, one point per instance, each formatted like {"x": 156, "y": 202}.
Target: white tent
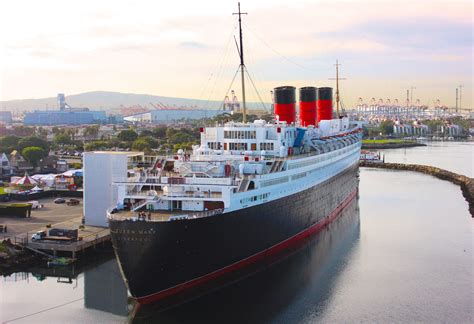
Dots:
{"x": 36, "y": 188}
{"x": 47, "y": 179}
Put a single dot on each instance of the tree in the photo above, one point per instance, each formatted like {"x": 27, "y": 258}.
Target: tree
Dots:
{"x": 62, "y": 139}
{"x": 128, "y": 135}
{"x": 91, "y": 132}
{"x": 32, "y": 141}
{"x": 33, "y": 154}
{"x": 146, "y": 132}
{"x": 141, "y": 145}
{"x": 159, "y": 132}
{"x": 41, "y": 132}
{"x": 386, "y": 127}
{"x": 9, "y": 140}
{"x": 23, "y": 130}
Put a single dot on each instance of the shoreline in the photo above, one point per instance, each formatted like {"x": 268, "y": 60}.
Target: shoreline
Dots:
{"x": 466, "y": 183}
{"x": 382, "y": 146}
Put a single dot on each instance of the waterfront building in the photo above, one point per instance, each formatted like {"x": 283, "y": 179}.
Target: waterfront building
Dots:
{"x": 400, "y": 129}
{"x": 419, "y": 129}
{"x": 451, "y": 130}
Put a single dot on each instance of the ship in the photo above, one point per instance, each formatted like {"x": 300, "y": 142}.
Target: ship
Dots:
{"x": 248, "y": 193}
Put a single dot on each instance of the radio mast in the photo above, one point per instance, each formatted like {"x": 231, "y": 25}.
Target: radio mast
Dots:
{"x": 242, "y": 65}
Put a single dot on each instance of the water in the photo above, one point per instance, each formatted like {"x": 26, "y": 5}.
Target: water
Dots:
{"x": 402, "y": 253}
{"x": 453, "y": 156}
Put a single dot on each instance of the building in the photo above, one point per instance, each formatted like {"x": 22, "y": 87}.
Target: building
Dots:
{"x": 100, "y": 170}
{"x": 18, "y": 163}
{"x": 5, "y": 165}
{"x": 66, "y": 115}
{"x": 5, "y": 117}
{"x": 47, "y": 118}
{"x": 420, "y": 129}
{"x": 165, "y": 116}
{"x": 451, "y": 130}
{"x": 400, "y": 129}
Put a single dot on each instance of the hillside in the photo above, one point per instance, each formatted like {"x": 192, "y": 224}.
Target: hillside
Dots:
{"x": 105, "y": 100}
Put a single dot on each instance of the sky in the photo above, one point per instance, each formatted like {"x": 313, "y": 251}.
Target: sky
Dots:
{"x": 187, "y": 48}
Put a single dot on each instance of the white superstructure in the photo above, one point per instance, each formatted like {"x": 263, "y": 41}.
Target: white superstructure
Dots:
{"x": 239, "y": 165}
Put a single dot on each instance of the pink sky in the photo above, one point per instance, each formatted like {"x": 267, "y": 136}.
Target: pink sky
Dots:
{"x": 186, "y": 49}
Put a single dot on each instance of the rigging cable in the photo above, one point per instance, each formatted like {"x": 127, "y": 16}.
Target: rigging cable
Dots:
{"x": 217, "y": 69}
{"x": 221, "y": 106}
{"x": 256, "y": 90}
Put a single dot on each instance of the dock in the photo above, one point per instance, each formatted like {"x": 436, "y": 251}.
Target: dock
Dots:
{"x": 51, "y": 216}
{"x": 88, "y": 237}
{"x": 94, "y": 237}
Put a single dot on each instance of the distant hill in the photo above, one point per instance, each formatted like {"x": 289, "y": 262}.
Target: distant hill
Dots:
{"x": 105, "y": 100}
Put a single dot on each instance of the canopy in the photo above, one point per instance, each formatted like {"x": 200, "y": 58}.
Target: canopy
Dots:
{"x": 47, "y": 179}
{"x": 36, "y": 188}
{"x": 26, "y": 180}
{"x": 72, "y": 173}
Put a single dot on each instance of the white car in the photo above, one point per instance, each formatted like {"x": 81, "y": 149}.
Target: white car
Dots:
{"x": 38, "y": 236}
{"x": 35, "y": 204}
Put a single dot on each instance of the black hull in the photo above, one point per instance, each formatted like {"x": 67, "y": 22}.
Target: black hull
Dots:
{"x": 163, "y": 259}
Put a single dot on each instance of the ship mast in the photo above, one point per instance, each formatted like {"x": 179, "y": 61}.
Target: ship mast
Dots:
{"x": 337, "y": 86}
{"x": 242, "y": 65}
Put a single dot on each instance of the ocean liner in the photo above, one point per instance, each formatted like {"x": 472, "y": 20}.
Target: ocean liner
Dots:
{"x": 249, "y": 192}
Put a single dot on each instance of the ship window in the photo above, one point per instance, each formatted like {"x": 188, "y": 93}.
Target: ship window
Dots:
{"x": 251, "y": 185}
{"x": 238, "y": 146}
{"x": 240, "y": 134}
{"x": 266, "y": 146}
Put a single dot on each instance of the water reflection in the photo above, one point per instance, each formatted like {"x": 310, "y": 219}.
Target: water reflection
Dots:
{"x": 61, "y": 291}
{"x": 105, "y": 290}
{"x": 265, "y": 296}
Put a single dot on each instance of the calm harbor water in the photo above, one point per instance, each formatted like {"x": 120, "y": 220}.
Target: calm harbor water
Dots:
{"x": 402, "y": 253}
{"x": 453, "y": 156}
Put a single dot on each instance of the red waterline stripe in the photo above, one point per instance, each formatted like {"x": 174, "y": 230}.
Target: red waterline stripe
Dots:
{"x": 294, "y": 240}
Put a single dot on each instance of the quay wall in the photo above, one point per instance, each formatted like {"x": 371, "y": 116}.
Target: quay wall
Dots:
{"x": 466, "y": 183}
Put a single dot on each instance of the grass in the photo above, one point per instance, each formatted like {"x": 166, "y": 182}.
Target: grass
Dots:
{"x": 3, "y": 248}
{"x": 385, "y": 141}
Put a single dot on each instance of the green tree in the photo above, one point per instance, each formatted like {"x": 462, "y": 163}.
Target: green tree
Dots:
{"x": 146, "y": 132}
{"x": 141, "y": 145}
{"x": 23, "y": 130}
{"x": 33, "y": 154}
{"x": 91, "y": 132}
{"x": 9, "y": 140}
{"x": 386, "y": 127}
{"x": 41, "y": 132}
{"x": 128, "y": 135}
{"x": 33, "y": 141}
{"x": 96, "y": 146}
{"x": 62, "y": 139}
{"x": 159, "y": 132}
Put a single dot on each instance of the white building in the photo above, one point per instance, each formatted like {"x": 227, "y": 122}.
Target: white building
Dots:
{"x": 100, "y": 170}
{"x": 400, "y": 129}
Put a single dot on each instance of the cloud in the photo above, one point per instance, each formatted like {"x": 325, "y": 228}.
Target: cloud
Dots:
{"x": 423, "y": 34}
{"x": 194, "y": 45}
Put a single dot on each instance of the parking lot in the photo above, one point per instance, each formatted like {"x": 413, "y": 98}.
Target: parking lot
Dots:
{"x": 51, "y": 213}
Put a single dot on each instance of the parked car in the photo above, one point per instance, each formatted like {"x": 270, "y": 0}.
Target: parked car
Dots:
{"x": 38, "y": 235}
{"x": 73, "y": 202}
{"x": 59, "y": 201}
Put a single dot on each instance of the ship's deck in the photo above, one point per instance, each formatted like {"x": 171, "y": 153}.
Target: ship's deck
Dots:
{"x": 154, "y": 216}
{"x": 161, "y": 215}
